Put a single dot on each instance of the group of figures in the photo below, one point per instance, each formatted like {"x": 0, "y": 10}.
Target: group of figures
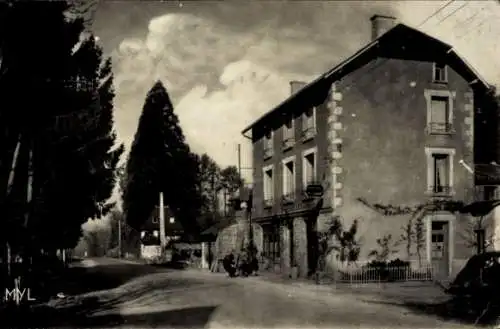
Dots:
{"x": 244, "y": 264}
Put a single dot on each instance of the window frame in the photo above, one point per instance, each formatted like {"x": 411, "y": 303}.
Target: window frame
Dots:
{"x": 429, "y": 95}
{"x": 266, "y": 169}
{"x": 434, "y": 70}
{"x": 268, "y": 144}
{"x": 431, "y": 172}
{"x": 305, "y": 129}
{"x": 291, "y": 159}
{"x": 305, "y": 153}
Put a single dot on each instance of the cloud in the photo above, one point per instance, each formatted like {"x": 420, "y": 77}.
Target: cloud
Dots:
{"x": 224, "y": 64}
{"x": 213, "y": 121}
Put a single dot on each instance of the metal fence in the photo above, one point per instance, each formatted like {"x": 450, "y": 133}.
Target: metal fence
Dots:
{"x": 370, "y": 272}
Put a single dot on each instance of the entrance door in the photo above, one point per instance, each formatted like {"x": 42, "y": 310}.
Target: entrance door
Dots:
{"x": 440, "y": 254}
{"x": 312, "y": 245}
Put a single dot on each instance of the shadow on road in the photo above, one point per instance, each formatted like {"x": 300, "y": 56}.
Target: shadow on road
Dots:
{"x": 80, "y": 280}
{"x": 80, "y": 317}
{"x": 446, "y": 311}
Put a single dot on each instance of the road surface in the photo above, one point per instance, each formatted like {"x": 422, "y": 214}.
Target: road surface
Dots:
{"x": 192, "y": 299}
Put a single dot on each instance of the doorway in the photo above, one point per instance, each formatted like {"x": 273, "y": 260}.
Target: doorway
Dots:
{"x": 312, "y": 245}
{"x": 440, "y": 248}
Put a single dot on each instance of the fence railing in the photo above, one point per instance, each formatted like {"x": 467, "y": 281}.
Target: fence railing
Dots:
{"x": 376, "y": 272}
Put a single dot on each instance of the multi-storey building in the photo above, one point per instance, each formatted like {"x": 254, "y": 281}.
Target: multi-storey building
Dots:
{"x": 398, "y": 123}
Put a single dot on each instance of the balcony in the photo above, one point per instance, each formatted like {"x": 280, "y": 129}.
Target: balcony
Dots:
{"x": 268, "y": 203}
{"x": 268, "y": 153}
{"x": 308, "y": 133}
{"x": 440, "y": 191}
{"x": 440, "y": 128}
{"x": 288, "y": 198}
{"x": 288, "y": 143}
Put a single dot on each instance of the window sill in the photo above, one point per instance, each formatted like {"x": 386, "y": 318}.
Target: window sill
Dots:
{"x": 447, "y": 194}
{"x": 440, "y": 82}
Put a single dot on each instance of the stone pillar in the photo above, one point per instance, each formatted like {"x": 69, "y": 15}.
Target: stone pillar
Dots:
{"x": 300, "y": 246}
{"x": 468, "y": 135}
{"x": 285, "y": 250}
{"x": 204, "y": 255}
{"x": 334, "y": 146}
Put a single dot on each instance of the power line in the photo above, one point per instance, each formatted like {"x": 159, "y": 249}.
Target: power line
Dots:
{"x": 484, "y": 21}
{"x": 470, "y": 18}
{"x": 436, "y": 12}
{"x": 452, "y": 13}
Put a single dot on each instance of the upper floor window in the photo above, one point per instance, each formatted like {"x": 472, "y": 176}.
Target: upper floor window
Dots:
{"x": 439, "y": 111}
{"x": 289, "y": 179}
{"x": 439, "y": 73}
{"x": 288, "y": 133}
{"x": 268, "y": 185}
{"x": 440, "y": 171}
{"x": 309, "y": 167}
{"x": 268, "y": 144}
{"x": 309, "y": 123}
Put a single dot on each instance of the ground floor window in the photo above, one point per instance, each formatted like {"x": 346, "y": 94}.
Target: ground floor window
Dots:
{"x": 271, "y": 247}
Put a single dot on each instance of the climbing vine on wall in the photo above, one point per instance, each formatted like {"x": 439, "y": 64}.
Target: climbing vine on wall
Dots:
{"x": 413, "y": 232}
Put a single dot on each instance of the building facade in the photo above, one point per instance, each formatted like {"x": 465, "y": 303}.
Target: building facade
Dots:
{"x": 400, "y": 123}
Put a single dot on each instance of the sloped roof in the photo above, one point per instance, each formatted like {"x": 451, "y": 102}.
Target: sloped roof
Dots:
{"x": 383, "y": 45}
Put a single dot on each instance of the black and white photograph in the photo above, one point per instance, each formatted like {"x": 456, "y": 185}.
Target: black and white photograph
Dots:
{"x": 249, "y": 164}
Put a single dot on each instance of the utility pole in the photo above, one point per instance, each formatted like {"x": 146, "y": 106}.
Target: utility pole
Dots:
{"x": 239, "y": 159}
{"x": 120, "y": 237}
{"x": 161, "y": 211}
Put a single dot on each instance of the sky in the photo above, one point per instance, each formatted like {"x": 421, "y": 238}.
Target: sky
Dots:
{"x": 225, "y": 63}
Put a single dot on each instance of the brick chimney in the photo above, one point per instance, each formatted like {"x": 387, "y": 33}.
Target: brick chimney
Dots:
{"x": 296, "y": 86}
{"x": 381, "y": 24}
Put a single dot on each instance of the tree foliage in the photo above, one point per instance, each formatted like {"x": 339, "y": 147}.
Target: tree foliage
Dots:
{"x": 160, "y": 161}
{"x": 215, "y": 183}
{"x": 339, "y": 239}
{"x": 70, "y": 125}
{"x": 386, "y": 246}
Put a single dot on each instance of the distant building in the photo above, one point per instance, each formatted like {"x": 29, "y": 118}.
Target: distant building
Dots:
{"x": 150, "y": 232}
{"x": 396, "y": 123}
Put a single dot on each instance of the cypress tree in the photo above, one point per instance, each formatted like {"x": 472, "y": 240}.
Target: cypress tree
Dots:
{"x": 160, "y": 161}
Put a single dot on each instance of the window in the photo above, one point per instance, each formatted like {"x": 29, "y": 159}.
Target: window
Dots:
{"x": 440, "y": 114}
{"x": 439, "y": 72}
{"x": 268, "y": 144}
{"x": 440, "y": 171}
{"x": 309, "y": 124}
{"x": 288, "y": 179}
{"x": 288, "y": 133}
{"x": 271, "y": 245}
{"x": 309, "y": 167}
{"x": 268, "y": 186}
{"x": 439, "y": 111}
